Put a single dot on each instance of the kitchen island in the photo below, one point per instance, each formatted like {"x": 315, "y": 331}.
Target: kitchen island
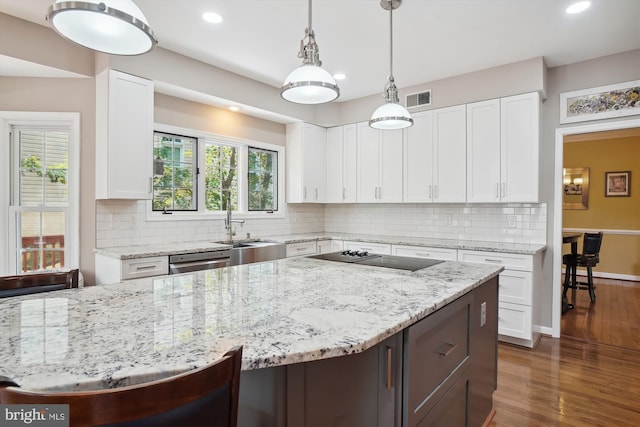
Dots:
{"x": 292, "y": 316}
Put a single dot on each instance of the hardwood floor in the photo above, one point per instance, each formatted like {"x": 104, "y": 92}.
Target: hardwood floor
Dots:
{"x": 613, "y": 319}
{"x": 588, "y": 377}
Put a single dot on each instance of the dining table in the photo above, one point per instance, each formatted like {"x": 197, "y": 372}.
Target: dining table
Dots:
{"x": 571, "y": 237}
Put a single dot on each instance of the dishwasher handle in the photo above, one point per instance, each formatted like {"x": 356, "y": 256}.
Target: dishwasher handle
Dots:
{"x": 185, "y": 267}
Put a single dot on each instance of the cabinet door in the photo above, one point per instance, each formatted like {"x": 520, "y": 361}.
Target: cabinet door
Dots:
{"x": 124, "y": 136}
{"x": 306, "y": 163}
{"x": 314, "y": 157}
{"x": 483, "y": 151}
{"x": 349, "y": 162}
{"x": 368, "y": 155}
{"x": 520, "y": 133}
{"x": 450, "y": 150}
{"x": 418, "y": 159}
{"x": 335, "y": 160}
{"x": 390, "y": 166}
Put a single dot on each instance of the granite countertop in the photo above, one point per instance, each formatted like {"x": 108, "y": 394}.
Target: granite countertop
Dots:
{"x": 506, "y": 247}
{"x": 283, "y": 312}
{"x": 142, "y": 251}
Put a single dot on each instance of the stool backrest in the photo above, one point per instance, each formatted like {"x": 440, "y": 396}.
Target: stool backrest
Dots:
{"x": 204, "y": 397}
{"x": 592, "y": 243}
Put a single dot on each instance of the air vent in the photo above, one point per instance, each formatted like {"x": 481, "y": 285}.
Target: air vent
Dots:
{"x": 419, "y": 99}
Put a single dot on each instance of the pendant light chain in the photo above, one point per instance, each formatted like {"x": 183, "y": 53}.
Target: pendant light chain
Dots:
{"x": 391, "y": 40}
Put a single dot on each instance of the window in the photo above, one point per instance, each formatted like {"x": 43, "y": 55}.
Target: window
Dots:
{"x": 174, "y": 183}
{"x": 200, "y": 173}
{"x": 41, "y": 204}
{"x": 262, "y": 180}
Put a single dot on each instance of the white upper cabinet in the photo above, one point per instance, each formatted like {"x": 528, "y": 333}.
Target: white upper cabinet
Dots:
{"x": 379, "y": 165}
{"x": 503, "y": 149}
{"x": 341, "y": 164}
{"x": 124, "y": 136}
{"x": 434, "y": 157}
{"x": 306, "y": 163}
{"x": 483, "y": 151}
{"x": 520, "y": 142}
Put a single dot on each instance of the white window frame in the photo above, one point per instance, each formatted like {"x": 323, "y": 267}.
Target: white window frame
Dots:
{"x": 8, "y": 119}
{"x": 243, "y": 183}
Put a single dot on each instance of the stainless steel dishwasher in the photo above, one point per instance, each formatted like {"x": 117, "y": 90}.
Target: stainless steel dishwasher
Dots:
{"x": 184, "y": 263}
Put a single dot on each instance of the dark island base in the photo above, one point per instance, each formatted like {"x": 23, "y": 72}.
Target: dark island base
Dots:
{"x": 440, "y": 371}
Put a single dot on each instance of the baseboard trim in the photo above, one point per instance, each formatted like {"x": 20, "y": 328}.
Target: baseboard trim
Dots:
{"x": 615, "y": 276}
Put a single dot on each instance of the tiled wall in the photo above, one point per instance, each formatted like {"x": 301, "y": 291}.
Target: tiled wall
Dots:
{"x": 123, "y": 223}
{"x": 479, "y": 222}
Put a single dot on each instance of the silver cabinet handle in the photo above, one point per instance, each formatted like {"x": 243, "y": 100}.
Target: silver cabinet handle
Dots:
{"x": 493, "y": 260}
{"x": 446, "y": 349}
{"x": 421, "y": 254}
{"x": 389, "y": 368}
{"x": 304, "y": 193}
{"x": 436, "y": 193}
{"x": 344, "y": 193}
{"x": 430, "y": 192}
{"x": 380, "y": 193}
{"x": 316, "y": 194}
{"x": 497, "y": 190}
{"x": 504, "y": 189}
{"x": 150, "y": 184}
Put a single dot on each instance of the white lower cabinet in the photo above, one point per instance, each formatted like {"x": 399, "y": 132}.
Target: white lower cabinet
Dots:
{"x": 425, "y": 252}
{"x": 517, "y": 285}
{"x": 114, "y": 270}
{"x": 327, "y": 246}
{"x": 301, "y": 248}
{"x": 374, "y": 248}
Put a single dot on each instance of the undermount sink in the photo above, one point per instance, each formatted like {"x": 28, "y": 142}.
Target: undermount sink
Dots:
{"x": 250, "y": 251}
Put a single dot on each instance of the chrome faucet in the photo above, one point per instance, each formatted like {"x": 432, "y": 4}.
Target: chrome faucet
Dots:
{"x": 228, "y": 222}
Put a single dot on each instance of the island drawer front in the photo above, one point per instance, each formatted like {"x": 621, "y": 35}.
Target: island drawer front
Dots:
{"x": 436, "y": 354}
{"x": 144, "y": 267}
{"x": 301, "y": 249}
{"x": 451, "y": 410}
{"x": 508, "y": 261}
{"x": 514, "y": 320}
{"x": 374, "y": 248}
{"x": 515, "y": 287}
{"x": 425, "y": 252}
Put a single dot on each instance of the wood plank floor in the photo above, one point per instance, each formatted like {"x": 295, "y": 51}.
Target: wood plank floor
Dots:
{"x": 588, "y": 377}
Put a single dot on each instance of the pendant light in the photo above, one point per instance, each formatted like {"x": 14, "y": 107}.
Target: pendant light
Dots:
{"x": 309, "y": 83}
{"x": 116, "y": 27}
{"x": 390, "y": 115}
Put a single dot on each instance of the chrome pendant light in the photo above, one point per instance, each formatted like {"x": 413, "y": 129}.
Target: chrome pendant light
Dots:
{"x": 117, "y": 27}
{"x": 390, "y": 115}
{"x": 309, "y": 83}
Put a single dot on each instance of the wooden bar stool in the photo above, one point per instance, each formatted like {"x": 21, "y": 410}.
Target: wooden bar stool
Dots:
{"x": 589, "y": 258}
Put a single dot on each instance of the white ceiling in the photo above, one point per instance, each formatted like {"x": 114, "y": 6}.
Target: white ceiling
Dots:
{"x": 433, "y": 39}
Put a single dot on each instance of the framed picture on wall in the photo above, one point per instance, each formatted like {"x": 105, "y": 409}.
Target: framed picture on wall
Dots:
{"x": 618, "y": 100}
{"x": 617, "y": 184}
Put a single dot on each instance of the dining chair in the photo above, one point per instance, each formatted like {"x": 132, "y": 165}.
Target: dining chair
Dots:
{"x": 589, "y": 258}
{"x": 29, "y": 283}
{"x": 207, "y": 396}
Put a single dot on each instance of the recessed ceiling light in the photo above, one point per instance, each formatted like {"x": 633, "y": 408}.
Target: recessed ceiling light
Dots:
{"x": 578, "y": 7}
{"x": 339, "y": 76}
{"x": 212, "y": 17}
{"x": 234, "y": 108}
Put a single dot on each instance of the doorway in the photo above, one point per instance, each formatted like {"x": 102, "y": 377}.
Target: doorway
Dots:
{"x": 558, "y": 204}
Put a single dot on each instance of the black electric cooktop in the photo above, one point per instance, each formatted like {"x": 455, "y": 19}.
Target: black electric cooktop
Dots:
{"x": 376, "y": 260}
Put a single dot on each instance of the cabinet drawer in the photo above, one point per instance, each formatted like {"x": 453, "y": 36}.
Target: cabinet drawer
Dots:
{"x": 509, "y": 261}
{"x": 300, "y": 249}
{"x": 515, "y": 287}
{"x": 374, "y": 248}
{"x": 144, "y": 267}
{"x": 452, "y": 409}
{"x": 425, "y": 252}
{"x": 514, "y": 320}
{"x": 436, "y": 350}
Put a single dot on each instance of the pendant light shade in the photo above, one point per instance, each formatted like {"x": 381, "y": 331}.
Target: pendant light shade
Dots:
{"x": 116, "y": 27}
{"x": 390, "y": 115}
{"x": 309, "y": 83}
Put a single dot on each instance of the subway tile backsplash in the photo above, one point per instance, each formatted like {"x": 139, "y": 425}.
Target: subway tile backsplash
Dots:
{"x": 124, "y": 223}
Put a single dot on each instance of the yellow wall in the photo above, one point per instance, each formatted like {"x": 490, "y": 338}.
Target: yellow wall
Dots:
{"x": 620, "y": 253}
